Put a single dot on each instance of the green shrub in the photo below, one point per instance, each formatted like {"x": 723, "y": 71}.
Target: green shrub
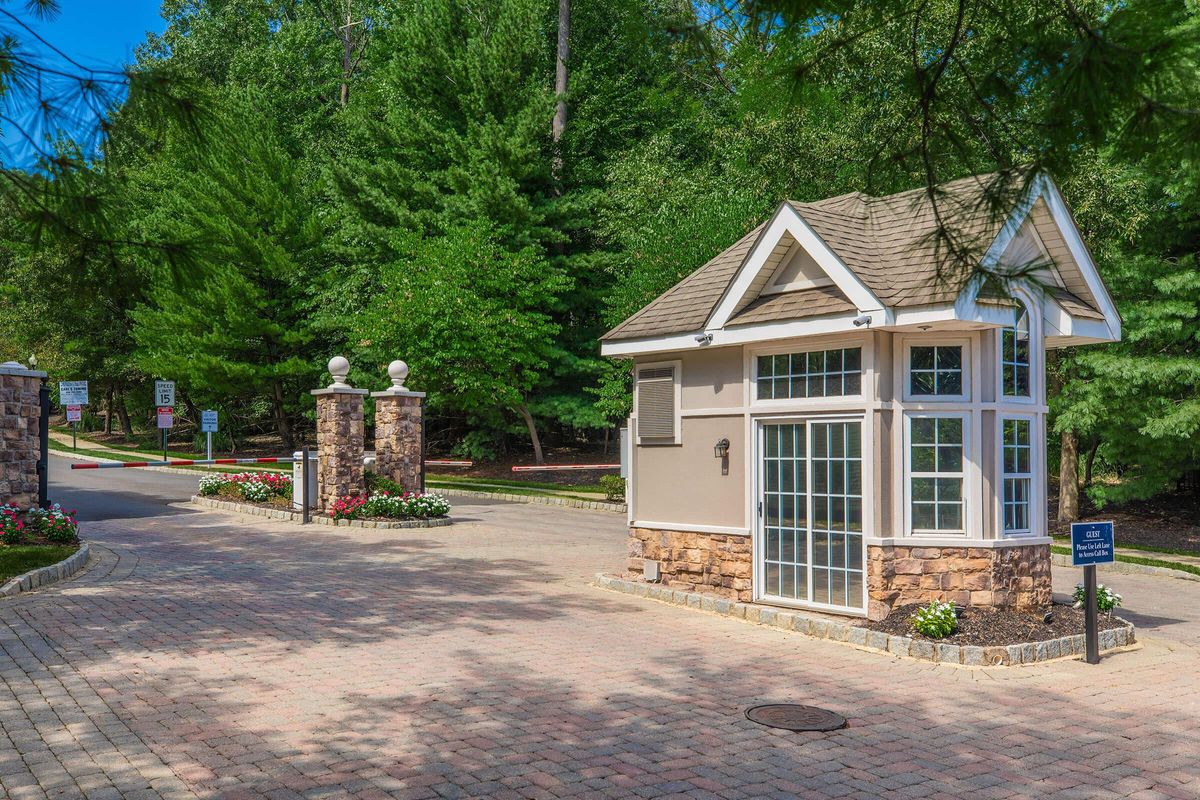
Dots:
{"x": 379, "y": 484}
{"x": 613, "y": 487}
{"x": 935, "y": 620}
{"x": 1106, "y": 598}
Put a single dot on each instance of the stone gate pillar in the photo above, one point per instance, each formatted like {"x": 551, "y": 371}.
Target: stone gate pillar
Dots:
{"x": 400, "y": 432}
{"x": 339, "y": 436}
{"x": 20, "y": 429}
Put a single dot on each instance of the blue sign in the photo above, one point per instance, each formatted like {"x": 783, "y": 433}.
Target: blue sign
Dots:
{"x": 1092, "y": 543}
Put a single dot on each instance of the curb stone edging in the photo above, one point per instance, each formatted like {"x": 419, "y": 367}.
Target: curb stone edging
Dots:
{"x": 1126, "y": 568}
{"x": 52, "y": 573}
{"x": 541, "y": 500}
{"x": 877, "y": 641}
{"x": 296, "y": 516}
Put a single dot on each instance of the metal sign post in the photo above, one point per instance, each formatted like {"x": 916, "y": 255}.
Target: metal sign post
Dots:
{"x": 304, "y": 498}
{"x": 164, "y": 399}
{"x": 1092, "y": 543}
{"x": 73, "y": 395}
{"x": 74, "y": 415}
{"x": 208, "y": 426}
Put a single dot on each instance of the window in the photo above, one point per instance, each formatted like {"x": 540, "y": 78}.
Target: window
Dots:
{"x": 1017, "y": 451}
{"x": 658, "y": 404}
{"x": 822, "y": 373}
{"x": 935, "y": 370}
{"x": 936, "y": 474}
{"x": 1014, "y": 357}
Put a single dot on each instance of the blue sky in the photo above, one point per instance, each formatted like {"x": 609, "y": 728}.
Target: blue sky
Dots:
{"x": 97, "y": 33}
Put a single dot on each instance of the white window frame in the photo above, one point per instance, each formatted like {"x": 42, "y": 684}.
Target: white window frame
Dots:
{"x": 937, "y": 341}
{"x": 1032, "y": 476}
{"x": 677, "y": 367}
{"x": 1034, "y": 359}
{"x": 966, "y": 475}
{"x": 810, "y": 345}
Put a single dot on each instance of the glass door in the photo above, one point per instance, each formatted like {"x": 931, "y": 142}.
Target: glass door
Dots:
{"x": 810, "y": 522}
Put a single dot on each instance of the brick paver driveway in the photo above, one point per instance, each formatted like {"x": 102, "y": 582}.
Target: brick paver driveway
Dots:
{"x": 209, "y": 655}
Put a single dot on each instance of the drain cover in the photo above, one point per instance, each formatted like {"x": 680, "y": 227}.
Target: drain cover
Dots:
{"x": 792, "y": 717}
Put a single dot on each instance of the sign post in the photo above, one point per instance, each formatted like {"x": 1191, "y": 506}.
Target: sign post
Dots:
{"x": 208, "y": 426}
{"x": 73, "y": 395}
{"x": 164, "y": 399}
{"x": 1092, "y": 543}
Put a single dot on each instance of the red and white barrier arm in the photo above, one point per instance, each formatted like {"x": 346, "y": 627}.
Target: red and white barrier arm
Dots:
{"x": 182, "y": 462}
{"x": 449, "y": 463}
{"x": 551, "y": 467}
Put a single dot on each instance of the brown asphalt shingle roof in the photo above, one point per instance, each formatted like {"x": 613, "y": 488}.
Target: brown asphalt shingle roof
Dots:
{"x": 889, "y": 242}
{"x": 794, "y": 305}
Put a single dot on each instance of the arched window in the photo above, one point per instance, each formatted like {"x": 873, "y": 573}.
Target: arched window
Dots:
{"x": 1014, "y": 356}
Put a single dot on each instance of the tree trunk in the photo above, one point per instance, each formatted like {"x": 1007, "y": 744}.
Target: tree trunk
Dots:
{"x": 108, "y": 410}
{"x": 347, "y": 57}
{"x": 123, "y": 415}
{"x": 560, "y": 88}
{"x": 1068, "y": 479}
{"x": 282, "y": 423}
{"x": 533, "y": 434}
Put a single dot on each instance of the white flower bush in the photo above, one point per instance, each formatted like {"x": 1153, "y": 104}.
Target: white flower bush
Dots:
{"x": 935, "y": 620}
{"x": 257, "y": 487}
{"x": 1106, "y": 598}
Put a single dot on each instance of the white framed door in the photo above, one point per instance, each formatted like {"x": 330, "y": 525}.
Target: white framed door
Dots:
{"x": 809, "y": 535}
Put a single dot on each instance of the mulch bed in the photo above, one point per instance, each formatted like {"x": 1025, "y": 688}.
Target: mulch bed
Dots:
{"x": 987, "y": 627}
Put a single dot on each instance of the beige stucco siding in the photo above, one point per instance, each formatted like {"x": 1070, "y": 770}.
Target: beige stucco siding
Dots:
{"x": 712, "y": 378}
{"x": 683, "y": 484}
{"x": 884, "y": 475}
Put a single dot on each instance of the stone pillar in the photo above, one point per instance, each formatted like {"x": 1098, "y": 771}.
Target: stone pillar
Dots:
{"x": 400, "y": 432}
{"x": 20, "y": 426}
{"x": 339, "y": 437}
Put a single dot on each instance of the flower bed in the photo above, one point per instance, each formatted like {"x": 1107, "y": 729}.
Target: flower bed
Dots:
{"x": 386, "y": 505}
{"x": 270, "y": 488}
{"x": 37, "y": 526}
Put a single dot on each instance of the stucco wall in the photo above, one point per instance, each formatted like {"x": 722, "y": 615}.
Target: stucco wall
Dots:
{"x": 712, "y": 378}
{"x": 683, "y": 484}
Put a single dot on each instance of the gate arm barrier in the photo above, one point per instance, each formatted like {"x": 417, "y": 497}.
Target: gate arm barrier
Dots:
{"x": 552, "y": 467}
{"x": 186, "y": 462}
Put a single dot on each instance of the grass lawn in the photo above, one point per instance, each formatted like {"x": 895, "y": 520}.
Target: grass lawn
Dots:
{"x": 467, "y": 482}
{"x": 18, "y": 560}
{"x": 433, "y": 484}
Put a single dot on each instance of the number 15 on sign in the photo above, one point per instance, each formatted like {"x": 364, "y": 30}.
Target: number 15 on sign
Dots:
{"x": 164, "y": 393}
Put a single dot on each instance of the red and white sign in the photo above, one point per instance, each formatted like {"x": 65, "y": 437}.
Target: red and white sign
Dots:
{"x": 166, "y": 417}
{"x": 74, "y": 413}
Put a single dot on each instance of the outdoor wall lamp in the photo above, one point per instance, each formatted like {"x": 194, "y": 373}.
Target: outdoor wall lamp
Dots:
{"x": 721, "y": 451}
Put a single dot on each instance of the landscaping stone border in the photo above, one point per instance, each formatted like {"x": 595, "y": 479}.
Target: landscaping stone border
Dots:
{"x": 820, "y": 627}
{"x": 541, "y": 500}
{"x": 296, "y": 516}
{"x": 52, "y": 573}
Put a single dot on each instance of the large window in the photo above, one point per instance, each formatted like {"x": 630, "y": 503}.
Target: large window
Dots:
{"x": 1014, "y": 357}
{"x": 936, "y": 474}
{"x": 822, "y": 373}
{"x": 935, "y": 370}
{"x": 1017, "y": 449}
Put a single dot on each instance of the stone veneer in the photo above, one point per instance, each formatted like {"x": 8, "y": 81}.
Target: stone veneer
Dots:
{"x": 20, "y": 445}
{"x": 713, "y": 563}
{"x": 339, "y": 444}
{"x": 1015, "y": 576}
{"x": 399, "y": 438}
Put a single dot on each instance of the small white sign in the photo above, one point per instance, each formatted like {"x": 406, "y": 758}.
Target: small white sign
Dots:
{"x": 208, "y": 422}
{"x": 166, "y": 417}
{"x": 74, "y": 413}
{"x": 72, "y": 393}
{"x": 164, "y": 394}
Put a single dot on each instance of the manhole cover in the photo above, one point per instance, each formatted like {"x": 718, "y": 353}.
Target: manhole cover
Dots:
{"x": 792, "y": 717}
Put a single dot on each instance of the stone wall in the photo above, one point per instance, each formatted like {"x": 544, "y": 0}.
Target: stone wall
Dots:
{"x": 339, "y": 444}
{"x": 20, "y": 447}
{"x": 712, "y": 563}
{"x": 1016, "y": 576}
{"x": 399, "y": 438}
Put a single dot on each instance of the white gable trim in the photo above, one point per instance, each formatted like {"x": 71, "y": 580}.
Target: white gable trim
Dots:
{"x": 785, "y": 221}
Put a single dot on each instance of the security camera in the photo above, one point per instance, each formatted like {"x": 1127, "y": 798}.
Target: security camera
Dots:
{"x": 864, "y": 319}
{"x": 704, "y": 338}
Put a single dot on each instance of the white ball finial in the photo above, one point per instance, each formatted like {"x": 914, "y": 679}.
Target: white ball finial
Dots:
{"x": 398, "y": 371}
{"x": 339, "y": 368}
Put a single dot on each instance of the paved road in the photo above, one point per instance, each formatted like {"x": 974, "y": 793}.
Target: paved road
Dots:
{"x": 210, "y": 655}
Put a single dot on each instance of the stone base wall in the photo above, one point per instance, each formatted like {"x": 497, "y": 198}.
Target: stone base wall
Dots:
{"x": 1017, "y": 576}
{"x": 398, "y": 439}
{"x": 339, "y": 445}
{"x": 712, "y": 563}
{"x": 20, "y": 443}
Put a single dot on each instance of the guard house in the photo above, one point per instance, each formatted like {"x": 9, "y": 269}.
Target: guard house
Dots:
{"x": 822, "y": 418}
